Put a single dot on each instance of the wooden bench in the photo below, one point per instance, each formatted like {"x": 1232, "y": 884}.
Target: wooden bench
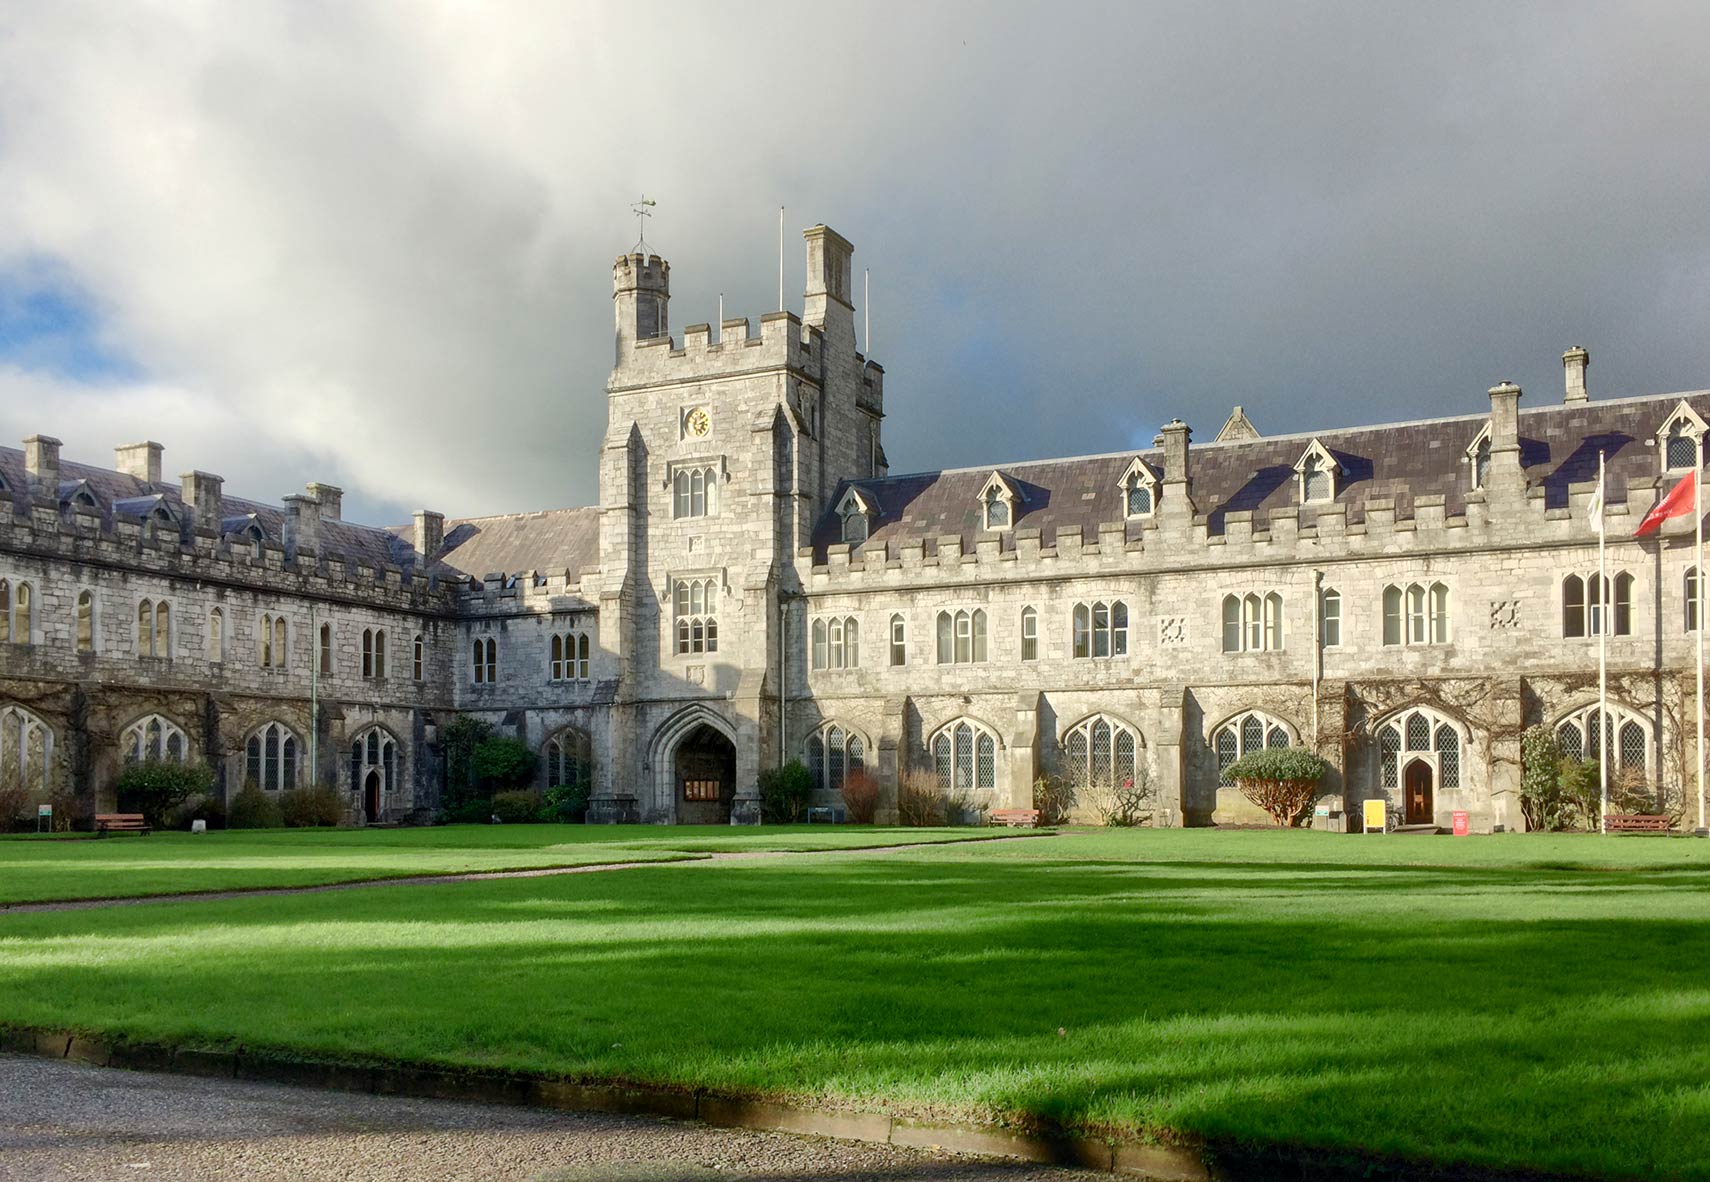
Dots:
{"x": 1635, "y": 823}
{"x": 106, "y": 823}
{"x": 1014, "y": 818}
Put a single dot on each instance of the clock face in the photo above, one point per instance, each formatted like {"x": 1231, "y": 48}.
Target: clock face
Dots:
{"x": 698, "y": 422}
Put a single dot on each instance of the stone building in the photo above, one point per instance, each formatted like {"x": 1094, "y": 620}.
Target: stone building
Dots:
{"x": 754, "y": 587}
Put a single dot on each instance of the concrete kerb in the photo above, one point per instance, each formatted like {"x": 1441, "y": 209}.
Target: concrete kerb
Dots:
{"x": 1162, "y": 1163}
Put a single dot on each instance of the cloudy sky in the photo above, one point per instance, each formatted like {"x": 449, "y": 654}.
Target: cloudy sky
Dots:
{"x": 370, "y": 243}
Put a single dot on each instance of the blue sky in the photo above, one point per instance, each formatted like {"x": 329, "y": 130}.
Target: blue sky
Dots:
{"x": 370, "y": 244}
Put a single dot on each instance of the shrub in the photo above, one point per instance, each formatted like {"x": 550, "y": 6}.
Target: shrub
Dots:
{"x": 1054, "y": 797}
{"x": 920, "y": 801}
{"x": 516, "y": 806}
{"x": 860, "y": 792}
{"x": 1582, "y": 789}
{"x": 15, "y": 802}
{"x": 70, "y": 811}
{"x": 784, "y": 793}
{"x": 155, "y": 787}
{"x": 566, "y": 802}
{"x": 1117, "y": 805}
{"x": 209, "y": 809}
{"x": 503, "y": 763}
{"x": 1541, "y": 800}
{"x": 253, "y": 809}
{"x": 464, "y": 799}
{"x": 1281, "y": 780}
{"x": 305, "y": 807}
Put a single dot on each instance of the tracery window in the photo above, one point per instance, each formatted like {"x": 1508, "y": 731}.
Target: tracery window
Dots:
{"x": 153, "y": 738}
{"x": 26, "y": 750}
{"x": 567, "y": 759}
{"x": 1252, "y": 623}
{"x": 964, "y": 755}
{"x": 485, "y": 661}
{"x": 1416, "y": 614}
{"x": 837, "y": 643}
{"x": 270, "y": 758}
{"x": 696, "y": 601}
{"x": 1330, "y": 618}
{"x": 1101, "y": 629}
{"x": 15, "y": 603}
{"x": 834, "y": 752}
{"x": 899, "y": 641}
{"x": 1627, "y": 732}
{"x": 568, "y": 656}
{"x": 1419, "y": 731}
{"x": 374, "y": 750}
{"x": 1251, "y": 731}
{"x": 1029, "y": 634}
{"x": 154, "y": 629}
{"x": 695, "y": 492}
{"x": 1587, "y": 602}
{"x": 374, "y": 652}
{"x": 1102, "y": 750}
{"x": 962, "y": 637}
{"x": 86, "y": 621}
{"x": 1137, "y": 498}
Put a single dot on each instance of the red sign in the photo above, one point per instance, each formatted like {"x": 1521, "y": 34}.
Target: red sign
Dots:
{"x": 1462, "y": 825}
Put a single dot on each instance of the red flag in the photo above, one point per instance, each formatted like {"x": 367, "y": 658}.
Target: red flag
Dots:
{"x": 1678, "y": 503}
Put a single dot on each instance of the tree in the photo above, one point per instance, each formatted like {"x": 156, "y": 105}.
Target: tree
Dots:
{"x": 784, "y": 793}
{"x": 502, "y": 762}
{"x": 1281, "y": 780}
{"x": 1541, "y": 800}
{"x": 155, "y": 787}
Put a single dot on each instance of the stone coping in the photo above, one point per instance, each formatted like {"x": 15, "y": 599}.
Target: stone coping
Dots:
{"x": 1189, "y": 1160}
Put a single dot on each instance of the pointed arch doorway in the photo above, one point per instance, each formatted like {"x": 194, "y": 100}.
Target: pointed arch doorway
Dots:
{"x": 704, "y": 771}
{"x": 1417, "y": 804}
{"x": 371, "y": 799}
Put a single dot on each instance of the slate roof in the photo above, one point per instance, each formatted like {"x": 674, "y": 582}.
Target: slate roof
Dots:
{"x": 549, "y": 542}
{"x": 1398, "y": 461}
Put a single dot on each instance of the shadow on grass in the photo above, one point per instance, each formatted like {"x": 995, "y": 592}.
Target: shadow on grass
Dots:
{"x": 1495, "y": 1017}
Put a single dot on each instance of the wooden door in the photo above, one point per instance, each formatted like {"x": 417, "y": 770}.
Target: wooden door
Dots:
{"x": 1417, "y": 806}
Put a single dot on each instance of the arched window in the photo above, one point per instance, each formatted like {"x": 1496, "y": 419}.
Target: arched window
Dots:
{"x": 1273, "y": 623}
{"x": 1315, "y": 482}
{"x": 1573, "y": 606}
{"x": 1137, "y": 496}
{"x": 997, "y": 509}
{"x": 153, "y": 738}
{"x": 1419, "y": 732}
{"x": 568, "y": 656}
{"x": 418, "y": 656}
{"x": 899, "y": 641}
{"x": 695, "y": 492}
{"x": 1101, "y": 629}
{"x": 696, "y": 601}
{"x": 217, "y": 634}
{"x": 1682, "y": 453}
{"x": 566, "y": 758}
{"x": 1626, "y": 731}
{"x": 154, "y": 629}
{"x": 26, "y": 750}
{"x": 833, "y": 752}
{"x": 374, "y": 750}
{"x": 1250, "y": 731}
{"x": 1102, "y": 750}
{"x": 855, "y": 527}
{"x": 1481, "y": 464}
{"x": 15, "y": 612}
{"x": 964, "y": 754}
{"x": 373, "y": 652}
{"x": 324, "y": 654}
{"x": 1330, "y": 618}
{"x": 1252, "y": 623}
{"x": 1426, "y": 616}
{"x": 86, "y": 621}
{"x": 270, "y": 639}
{"x": 485, "y": 662}
{"x": 837, "y": 643}
{"x": 1590, "y": 604}
{"x": 1689, "y": 593}
{"x": 1029, "y": 634}
{"x": 962, "y": 637}
{"x": 271, "y": 758}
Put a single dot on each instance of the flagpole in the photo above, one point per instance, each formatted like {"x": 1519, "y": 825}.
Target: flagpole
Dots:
{"x": 1602, "y": 662}
{"x": 1698, "y": 609}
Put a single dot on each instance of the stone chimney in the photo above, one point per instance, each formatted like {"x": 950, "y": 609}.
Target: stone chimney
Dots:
{"x": 41, "y": 462}
{"x": 141, "y": 460}
{"x": 828, "y": 305}
{"x": 302, "y": 525}
{"x": 200, "y": 492}
{"x": 1574, "y": 364}
{"x": 1505, "y": 473}
{"x": 1176, "y": 499}
{"x": 430, "y": 533}
{"x": 331, "y": 499}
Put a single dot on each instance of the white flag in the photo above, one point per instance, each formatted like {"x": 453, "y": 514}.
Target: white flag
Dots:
{"x": 1595, "y": 509}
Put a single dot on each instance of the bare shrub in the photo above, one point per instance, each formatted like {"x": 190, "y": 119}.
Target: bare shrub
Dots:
{"x": 14, "y": 801}
{"x": 1118, "y": 804}
{"x": 1054, "y": 797}
{"x": 306, "y": 807}
{"x": 860, "y": 792}
{"x": 920, "y": 801}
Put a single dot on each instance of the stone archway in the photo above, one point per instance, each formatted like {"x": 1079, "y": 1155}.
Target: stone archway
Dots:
{"x": 668, "y": 801}
{"x": 704, "y": 776}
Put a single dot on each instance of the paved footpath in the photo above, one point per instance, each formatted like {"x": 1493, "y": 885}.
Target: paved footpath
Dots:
{"x": 61, "y": 1122}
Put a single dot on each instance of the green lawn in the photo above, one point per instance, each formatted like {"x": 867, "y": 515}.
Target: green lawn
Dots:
{"x": 34, "y": 870}
{"x": 1511, "y": 1001}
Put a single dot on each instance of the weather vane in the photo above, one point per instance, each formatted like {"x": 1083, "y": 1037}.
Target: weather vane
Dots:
{"x": 640, "y": 209}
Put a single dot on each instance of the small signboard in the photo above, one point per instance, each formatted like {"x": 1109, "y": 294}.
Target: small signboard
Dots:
{"x": 1322, "y": 810}
{"x": 1463, "y": 824}
{"x": 44, "y": 816}
{"x": 1376, "y": 816}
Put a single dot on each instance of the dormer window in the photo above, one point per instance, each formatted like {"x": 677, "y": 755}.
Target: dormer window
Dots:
{"x": 997, "y": 502}
{"x": 1317, "y": 470}
{"x": 1677, "y": 438}
{"x": 1478, "y": 458}
{"x": 77, "y": 494}
{"x": 856, "y": 511}
{"x": 1139, "y": 487}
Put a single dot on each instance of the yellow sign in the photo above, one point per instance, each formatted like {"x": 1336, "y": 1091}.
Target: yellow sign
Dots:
{"x": 1376, "y": 815}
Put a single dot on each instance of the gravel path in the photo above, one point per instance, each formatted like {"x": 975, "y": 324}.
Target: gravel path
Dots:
{"x": 61, "y": 1122}
{"x": 709, "y": 859}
